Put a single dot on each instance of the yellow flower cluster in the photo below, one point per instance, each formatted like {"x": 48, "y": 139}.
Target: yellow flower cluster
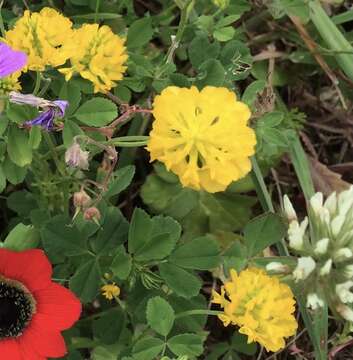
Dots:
{"x": 47, "y": 37}
{"x": 260, "y": 305}
{"x": 97, "y": 54}
{"x": 10, "y": 83}
{"x": 41, "y": 36}
{"x": 202, "y": 136}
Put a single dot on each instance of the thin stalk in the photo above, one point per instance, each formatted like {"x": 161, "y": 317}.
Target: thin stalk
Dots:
{"x": 198, "y": 312}
{"x": 333, "y": 37}
{"x": 184, "y": 17}
{"x": 96, "y": 11}
{"x": 37, "y": 83}
{"x": 2, "y": 27}
{"x": 54, "y": 154}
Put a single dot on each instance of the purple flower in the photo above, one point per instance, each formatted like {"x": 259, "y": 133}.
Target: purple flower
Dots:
{"x": 10, "y": 60}
{"x": 51, "y": 109}
{"x": 46, "y": 118}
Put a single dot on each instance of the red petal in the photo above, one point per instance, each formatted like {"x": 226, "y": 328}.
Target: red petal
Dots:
{"x": 28, "y": 352}
{"x": 9, "y": 349}
{"x": 30, "y": 267}
{"x": 45, "y": 343}
{"x": 57, "y": 307}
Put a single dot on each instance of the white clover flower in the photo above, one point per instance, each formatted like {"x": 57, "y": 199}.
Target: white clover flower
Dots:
{"x": 296, "y": 233}
{"x": 316, "y": 202}
{"x": 276, "y": 266}
{"x": 343, "y": 254}
{"x": 344, "y": 293}
{"x": 325, "y": 270}
{"x": 314, "y": 302}
{"x": 289, "y": 209}
{"x": 345, "y": 311}
{"x": 305, "y": 267}
{"x": 321, "y": 246}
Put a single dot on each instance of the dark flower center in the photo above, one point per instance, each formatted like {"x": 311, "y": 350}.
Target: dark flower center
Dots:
{"x": 16, "y": 308}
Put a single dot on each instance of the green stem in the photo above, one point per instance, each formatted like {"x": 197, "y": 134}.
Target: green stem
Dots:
{"x": 265, "y": 199}
{"x": 2, "y": 27}
{"x": 184, "y": 17}
{"x": 128, "y": 144}
{"x": 37, "y": 83}
{"x": 96, "y": 11}
{"x": 54, "y": 154}
{"x": 198, "y": 312}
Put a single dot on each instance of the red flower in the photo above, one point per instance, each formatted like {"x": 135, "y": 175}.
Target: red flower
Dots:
{"x": 33, "y": 309}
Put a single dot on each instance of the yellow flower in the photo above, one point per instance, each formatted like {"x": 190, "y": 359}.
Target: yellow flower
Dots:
{"x": 260, "y": 305}
{"x": 10, "y": 83}
{"x": 110, "y": 291}
{"x": 41, "y": 36}
{"x": 202, "y": 136}
{"x": 97, "y": 54}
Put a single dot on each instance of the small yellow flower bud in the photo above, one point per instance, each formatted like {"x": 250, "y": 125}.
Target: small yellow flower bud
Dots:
{"x": 110, "y": 291}
{"x": 221, "y": 3}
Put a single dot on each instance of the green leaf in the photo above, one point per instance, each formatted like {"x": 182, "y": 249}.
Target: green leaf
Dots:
{"x": 201, "y": 253}
{"x": 184, "y": 283}
{"x": 160, "y": 315}
{"x": 97, "y": 112}
{"x": 72, "y": 94}
{"x": 140, "y": 33}
{"x": 251, "y": 92}
{"x": 263, "y": 231}
{"x": 35, "y": 137}
{"x": 165, "y": 233}
{"x": 121, "y": 180}
{"x": 140, "y": 230}
{"x": 60, "y": 236}
{"x": 147, "y": 349}
{"x": 121, "y": 265}
{"x": 186, "y": 344}
{"x": 22, "y": 237}
{"x": 108, "y": 328}
{"x": 113, "y": 232}
{"x": 18, "y": 146}
{"x": 224, "y": 34}
{"x": 212, "y": 73}
{"x": 22, "y": 202}
{"x": 71, "y": 129}
{"x": 85, "y": 282}
{"x": 201, "y": 50}
{"x": 2, "y": 179}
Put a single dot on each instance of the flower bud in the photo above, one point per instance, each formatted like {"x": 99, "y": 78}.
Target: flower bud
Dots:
{"x": 342, "y": 291}
{"x": 92, "y": 214}
{"x": 321, "y": 246}
{"x": 75, "y": 157}
{"x": 305, "y": 267}
{"x": 337, "y": 223}
{"x": 81, "y": 199}
{"x": 348, "y": 271}
{"x": 325, "y": 270}
{"x": 221, "y": 3}
{"x": 277, "y": 267}
{"x": 316, "y": 202}
{"x": 296, "y": 234}
{"x": 289, "y": 209}
{"x": 314, "y": 302}
{"x": 343, "y": 254}
{"x": 331, "y": 203}
{"x": 345, "y": 311}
